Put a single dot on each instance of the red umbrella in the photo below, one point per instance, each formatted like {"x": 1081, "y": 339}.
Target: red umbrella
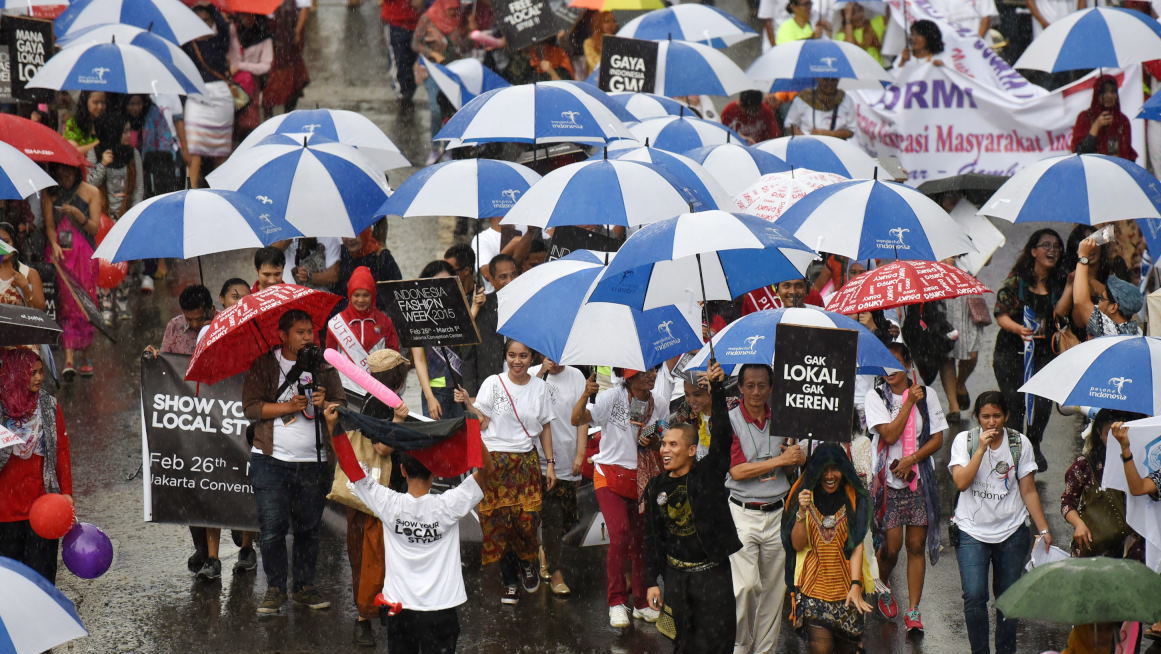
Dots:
{"x": 249, "y": 329}
{"x": 37, "y": 141}
{"x": 261, "y": 7}
{"x": 904, "y": 282}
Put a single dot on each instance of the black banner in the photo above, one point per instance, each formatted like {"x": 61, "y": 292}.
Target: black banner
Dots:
{"x": 29, "y": 44}
{"x": 429, "y": 312}
{"x": 196, "y": 459}
{"x": 567, "y": 238}
{"x": 527, "y": 22}
{"x": 814, "y": 382}
{"x": 628, "y": 64}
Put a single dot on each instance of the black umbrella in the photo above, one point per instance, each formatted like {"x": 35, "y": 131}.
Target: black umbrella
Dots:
{"x": 26, "y": 326}
{"x": 965, "y": 182}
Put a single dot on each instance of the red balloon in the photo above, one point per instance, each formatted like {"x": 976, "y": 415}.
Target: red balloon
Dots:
{"x": 51, "y": 516}
{"x": 110, "y": 275}
{"x": 106, "y": 224}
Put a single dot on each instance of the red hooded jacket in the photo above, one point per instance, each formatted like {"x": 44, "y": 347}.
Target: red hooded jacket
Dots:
{"x": 369, "y": 326}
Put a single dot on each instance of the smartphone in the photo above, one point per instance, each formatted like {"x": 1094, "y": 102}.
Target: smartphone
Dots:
{"x": 66, "y": 240}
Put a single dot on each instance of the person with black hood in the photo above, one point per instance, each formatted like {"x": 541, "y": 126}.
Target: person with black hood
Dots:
{"x": 826, "y": 519}
{"x": 690, "y": 534}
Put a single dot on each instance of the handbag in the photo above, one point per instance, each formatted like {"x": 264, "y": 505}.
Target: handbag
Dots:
{"x": 621, "y": 481}
{"x": 1064, "y": 339}
{"x": 1103, "y": 512}
{"x": 240, "y": 96}
{"x": 978, "y": 311}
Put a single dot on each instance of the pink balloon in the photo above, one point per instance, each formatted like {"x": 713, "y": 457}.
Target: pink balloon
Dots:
{"x": 362, "y": 378}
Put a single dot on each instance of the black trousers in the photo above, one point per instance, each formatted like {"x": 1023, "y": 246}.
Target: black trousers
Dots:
{"x": 18, "y": 541}
{"x": 703, "y": 608}
{"x": 423, "y": 632}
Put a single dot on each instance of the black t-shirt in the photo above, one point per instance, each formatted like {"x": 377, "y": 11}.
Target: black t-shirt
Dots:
{"x": 680, "y": 535}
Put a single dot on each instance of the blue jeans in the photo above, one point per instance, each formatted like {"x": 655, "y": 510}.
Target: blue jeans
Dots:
{"x": 404, "y": 60}
{"x": 447, "y": 402}
{"x": 1007, "y": 563}
{"x": 290, "y": 498}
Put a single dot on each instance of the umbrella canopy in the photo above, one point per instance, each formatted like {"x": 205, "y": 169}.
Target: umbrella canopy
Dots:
{"x": 617, "y": 5}
{"x": 114, "y": 68}
{"x": 1151, "y": 110}
{"x": 1110, "y": 372}
{"x": 903, "y": 282}
{"x": 463, "y": 79}
{"x": 773, "y": 194}
{"x": 260, "y": 7}
{"x": 1077, "y": 188}
{"x": 21, "y": 325}
{"x": 864, "y": 219}
{"x": 38, "y": 142}
{"x": 735, "y": 165}
{"x": 586, "y": 332}
{"x": 249, "y": 329}
{"x": 685, "y": 68}
{"x": 691, "y": 22}
{"x": 708, "y": 255}
{"x": 6, "y": 249}
{"x": 964, "y": 182}
{"x": 34, "y": 615}
{"x": 751, "y": 338}
{"x": 825, "y": 154}
{"x": 166, "y": 51}
{"x": 601, "y": 192}
{"x": 688, "y": 175}
{"x": 346, "y": 127}
{"x": 792, "y": 66}
{"x": 1101, "y": 37}
{"x": 187, "y": 224}
{"x": 1085, "y": 591}
{"x": 683, "y": 133}
{"x": 544, "y": 112}
{"x": 648, "y": 105}
{"x": 169, "y": 19}
{"x": 474, "y": 188}
{"x": 20, "y": 177}
{"x": 322, "y": 188}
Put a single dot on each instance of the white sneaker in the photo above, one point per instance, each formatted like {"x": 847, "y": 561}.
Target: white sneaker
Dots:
{"x": 647, "y": 614}
{"x": 618, "y": 616}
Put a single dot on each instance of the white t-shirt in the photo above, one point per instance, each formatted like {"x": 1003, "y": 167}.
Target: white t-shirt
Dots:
{"x": 992, "y": 509}
{"x": 486, "y": 246}
{"x": 877, "y": 414}
{"x": 295, "y": 441}
{"x": 564, "y": 389}
{"x": 332, "y": 248}
{"x": 421, "y": 542}
{"x": 966, "y": 14}
{"x": 806, "y": 119}
{"x": 504, "y": 432}
{"x": 1052, "y": 10}
{"x": 618, "y": 437}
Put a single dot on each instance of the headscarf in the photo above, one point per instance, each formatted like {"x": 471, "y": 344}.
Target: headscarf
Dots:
{"x": 439, "y": 15}
{"x": 110, "y": 129}
{"x": 372, "y": 325}
{"x": 815, "y": 101}
{"x": 856, "y": 497}
{"x": 1119, "y": 131}
{"x": 16, "y": 365}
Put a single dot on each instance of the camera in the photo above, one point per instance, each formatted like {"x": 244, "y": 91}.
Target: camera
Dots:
{"x": 309, "y": 358}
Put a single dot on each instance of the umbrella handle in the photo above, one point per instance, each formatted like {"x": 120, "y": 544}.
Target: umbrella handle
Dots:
{"x": 705, "y": 308}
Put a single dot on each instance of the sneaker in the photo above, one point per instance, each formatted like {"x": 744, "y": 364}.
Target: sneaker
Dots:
{"x": 86, "y": 370}
{"x": 648, "y": 614}
{"x": 146, "y": 284}
{"x": 913, "y": 620}
{"x": 272, "y": 601}
{"x": 528, "y": 577}
{"x": 107, "y": 316}
{"x": 211, "y": 570}
{"x": 197, "y": 559}
{"x": 364, "y": 636}
{"x": 247, "y": 560}
{"x": 510, "y": 596}
{"x": 618, "y": 616}
{"x": 309, "y": 596}
{"x": 68, "y": 375}
{"x": 560, "y": 590}
{"x": 887, "y": 605}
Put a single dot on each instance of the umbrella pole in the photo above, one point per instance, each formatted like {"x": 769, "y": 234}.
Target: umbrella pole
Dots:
{"x": 201, "y": 277}
{"x": 705, "y": 307}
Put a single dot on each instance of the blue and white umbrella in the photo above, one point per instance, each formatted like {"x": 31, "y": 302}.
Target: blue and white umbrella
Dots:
{"x": 169, "y": 19}
{"x": 1109, "y": 372}
{"x": 321, "y": 187}
{"x": 20, "y": 176}
{"x": 547, "y": 308}
{"x": 601, "y": 192}
{"x": 545, "y": 112}
{"x": 865, "y": 219}
{"x": 34, "y": 615}
{"x": 1100, "y": 37}
{"x": 113, "y": 68}
{"x": 649, "y": 105}
{"x": 463, "y": 79}
{"x": 795, "y": 65}
{"x": 825, "y": 154}
{"x": 735, "y": 165}
{"x": 165, "y": 50}
{"x": 685, "y": 68}
{"x": 1077, "y": 188}
{"x": 708, "y": 255}
{"x": 1151, "y": 110}
{"x": 473, "y": 188}
{"x": 188, "y": 224}
{"x": 687, "y": 174}
{"x": 751, "y": 338}
{"x": 689, "y": 22}
{"x": 347, "y": 127}
{"x": 682, "y": 134}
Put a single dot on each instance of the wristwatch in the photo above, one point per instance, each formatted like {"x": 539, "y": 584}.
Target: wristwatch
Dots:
{"x": 1084, "y": 260}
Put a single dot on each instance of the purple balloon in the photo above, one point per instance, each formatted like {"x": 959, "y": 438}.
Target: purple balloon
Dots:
{"x": 87, "y": 551}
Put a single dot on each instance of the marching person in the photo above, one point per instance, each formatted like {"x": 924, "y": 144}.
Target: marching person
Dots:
{"x": 361, "y": 329}
{"x": 269, "y": 262}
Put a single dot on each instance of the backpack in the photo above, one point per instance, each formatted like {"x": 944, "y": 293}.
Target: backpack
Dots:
{"x": 1013, "y": 446}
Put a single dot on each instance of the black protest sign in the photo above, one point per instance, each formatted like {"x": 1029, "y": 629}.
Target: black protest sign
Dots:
{"x": 628, "y": 64}
{"x": 567, "y": 238}
{"x": 29, "y": 44}
{"x": 197, "y": 462}
{"x": 429, "y": 312}
{"x": 814, "y": 382}
{"x": 527, "y": 22}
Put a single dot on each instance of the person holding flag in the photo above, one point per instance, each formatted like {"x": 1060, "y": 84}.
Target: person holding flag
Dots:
{"x": 361, "y": 329}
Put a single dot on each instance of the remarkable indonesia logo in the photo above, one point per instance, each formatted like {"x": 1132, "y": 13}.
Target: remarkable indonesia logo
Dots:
{"x": 750, "y": 348}
{"x": 896, "y": 242}
{"x": 96, "y": 76}
{"x": 1115, "y": 389}
{"x": 509, "y": 197}
{"x": 666, "y": 339}
{"x": 567, "y": 121}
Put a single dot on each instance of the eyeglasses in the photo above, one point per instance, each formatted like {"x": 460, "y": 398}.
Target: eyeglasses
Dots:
{"x": 1051, "y": 246}
{"x": 1097, "y": 299}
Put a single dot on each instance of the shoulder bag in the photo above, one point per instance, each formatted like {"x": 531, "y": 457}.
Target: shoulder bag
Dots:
{"x": 1103, "y": 512}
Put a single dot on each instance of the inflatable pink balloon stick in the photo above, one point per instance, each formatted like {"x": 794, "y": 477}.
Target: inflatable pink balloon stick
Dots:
{"x": 362, "y": 378}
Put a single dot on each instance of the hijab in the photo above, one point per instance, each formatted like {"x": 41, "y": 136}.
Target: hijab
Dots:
{"x": 1119, "y": 131}
{"x": 110, "y": 129}
{"x": 851, "y": 492}
{"x": 815, "y": 100}
{"x": 16, "y": 365}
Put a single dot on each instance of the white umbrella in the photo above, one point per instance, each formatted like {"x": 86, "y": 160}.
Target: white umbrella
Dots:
{"x": 773, "y": 194}
{"x": 34, "y": 615}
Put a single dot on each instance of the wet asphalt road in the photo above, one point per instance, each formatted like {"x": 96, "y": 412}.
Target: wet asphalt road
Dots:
{"x": 148, "y": 602}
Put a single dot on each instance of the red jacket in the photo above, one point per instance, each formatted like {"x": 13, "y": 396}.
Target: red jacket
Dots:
{"x": 22, "y": 480}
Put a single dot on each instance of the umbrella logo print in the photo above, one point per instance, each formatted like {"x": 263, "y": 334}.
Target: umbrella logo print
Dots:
{"x": 826, "y": 67}
{"x": 1115, "y": 390}
{"x": 666, "y": 328}
{"x": 311, "y": 127}
{"x": 1119, "y": 383}
{"x": 667, "y": 340}
{"x": 509, "y": 195}
{"x": 1153, "y": 455}
{"x": 751, "y": 343}
{"x": 264, "y": 199}
{"x": 268, "y": 226}
{"x": 896, "y": 241}
{"x": 898, "y": 233}
{"x": 567, "y": 120}
{"x": 96, "y": 76}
